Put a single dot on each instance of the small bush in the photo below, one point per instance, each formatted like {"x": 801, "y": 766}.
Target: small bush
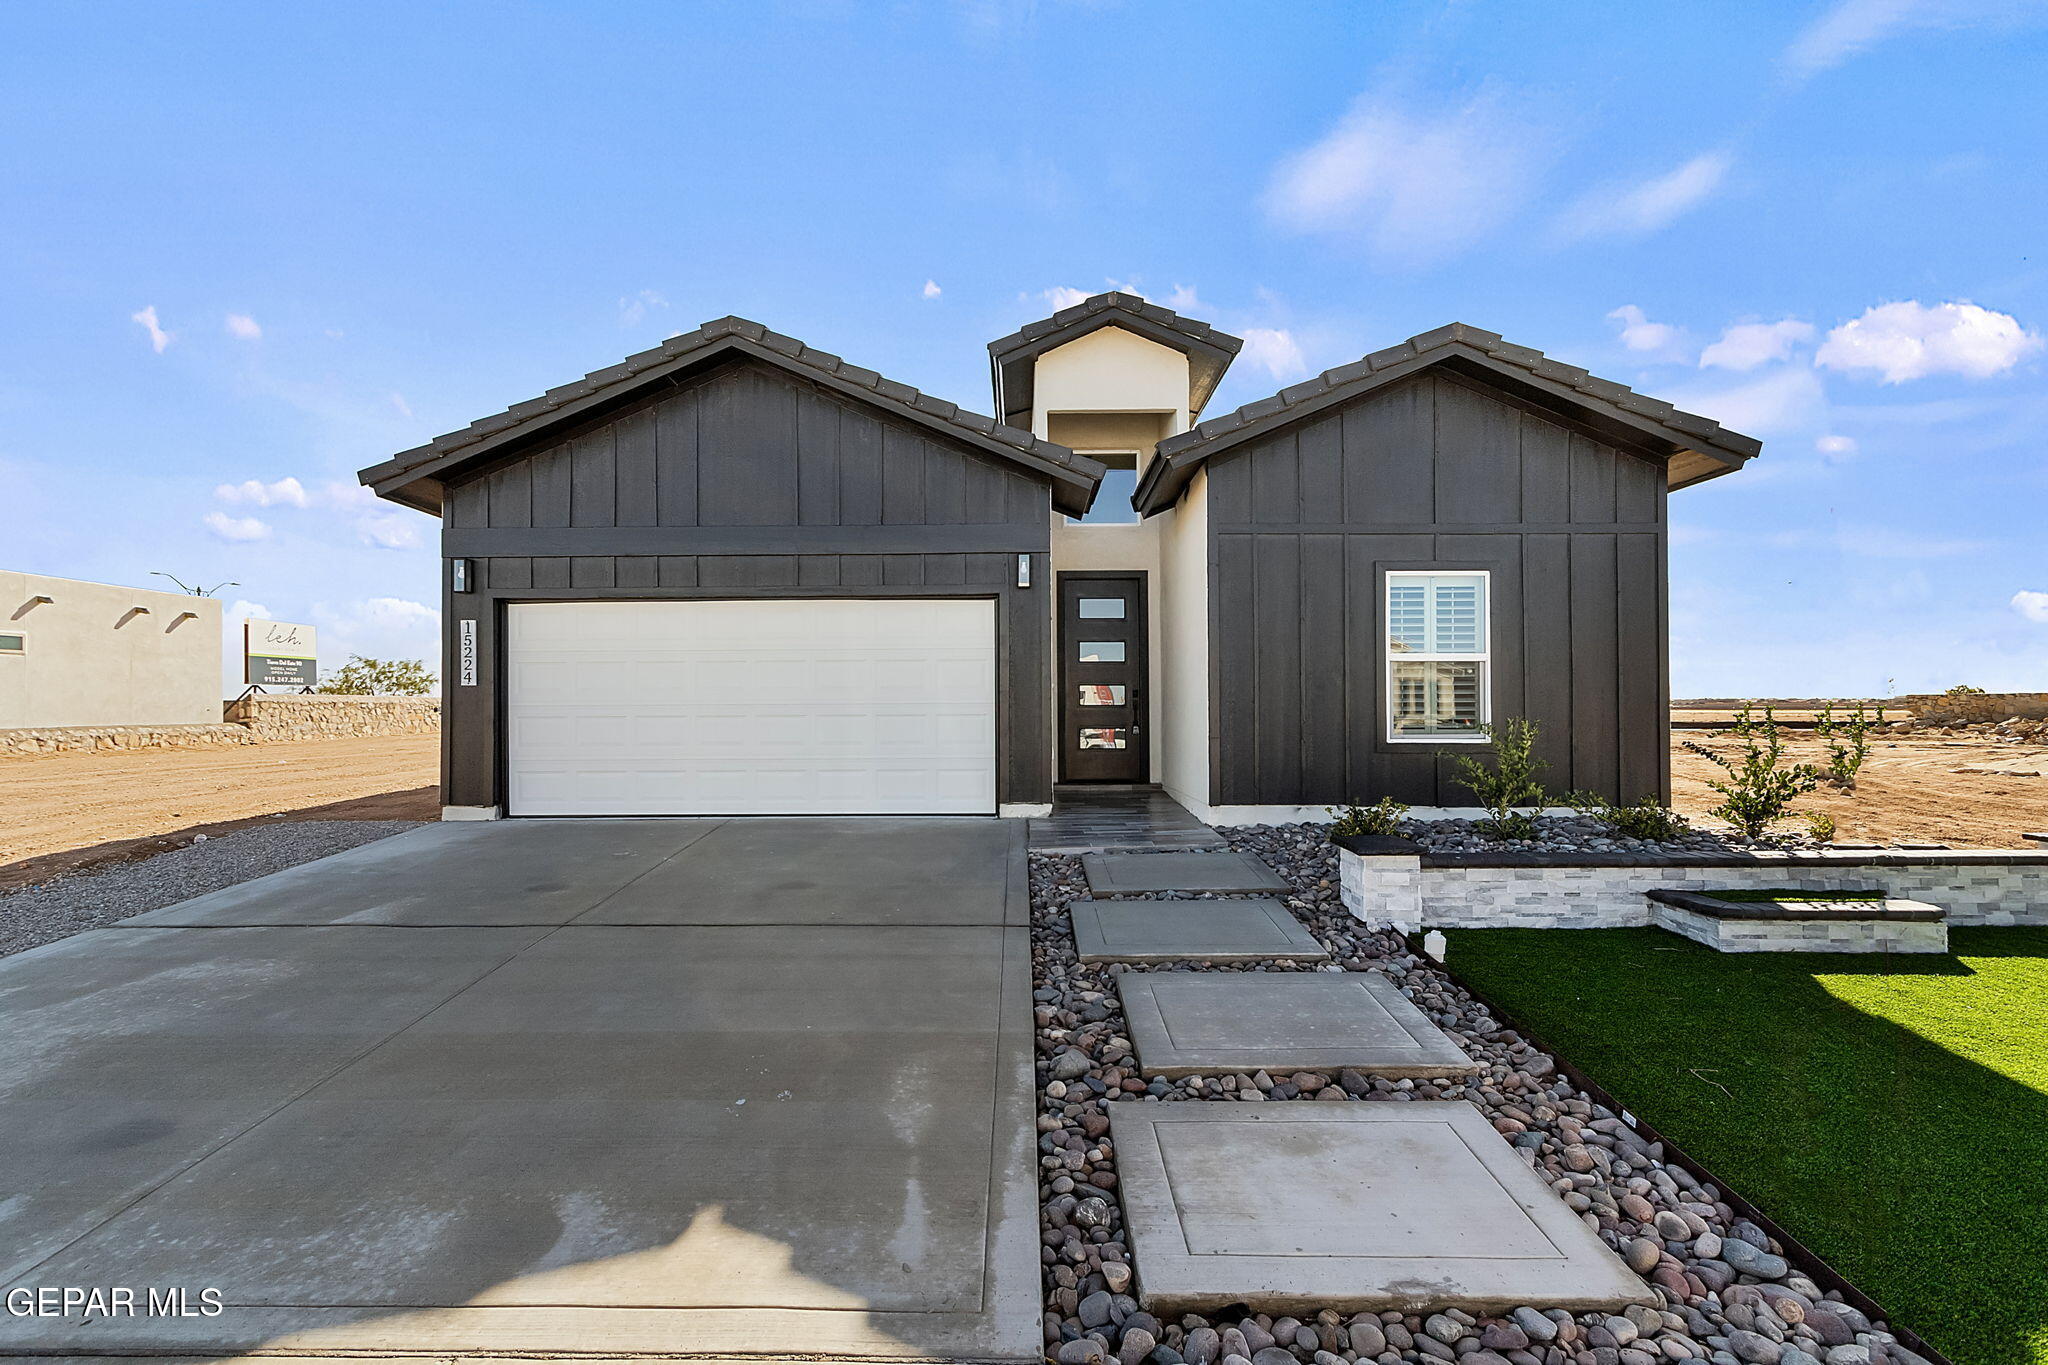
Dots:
{"x": 1847, "y": 740}
{"x": 1510, "y": 782}
{"x": 1647, "y": 819}
{"x": 1760, "y": 787}
{"x": 1383, "y": 816}
{"x": 361, "y": 677}
{"x": 1821, "y": 826}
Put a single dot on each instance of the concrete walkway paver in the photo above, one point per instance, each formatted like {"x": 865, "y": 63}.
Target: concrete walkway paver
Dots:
{"x": 718, "y": 1140}
{"x": 1248, "y": 930}
{"x": 1146, "y": 874}
{"x": 1369, "y": 1207}
{"x": 1196, "y": 1024}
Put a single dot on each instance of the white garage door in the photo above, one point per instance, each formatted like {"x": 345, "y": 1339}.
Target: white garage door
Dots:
{"x": 795, "y": 706}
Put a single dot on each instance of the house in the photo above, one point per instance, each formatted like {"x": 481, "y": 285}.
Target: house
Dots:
{"x": 738, "y": 575}
{"x": 74, "y": 653}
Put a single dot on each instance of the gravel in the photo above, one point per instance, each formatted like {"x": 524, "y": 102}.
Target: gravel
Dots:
{"x": 1728, "y": 1306}
{"x": 35, "y": 915}
{"x": 1560, "y": 834}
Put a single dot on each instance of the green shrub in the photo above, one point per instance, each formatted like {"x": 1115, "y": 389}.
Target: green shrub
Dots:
{"x": 1821, "y": 825}
{"x": 1847, "y": 740}
{"x": 1383, "y": 816}
{"x": 361, "y": 677}
{"x": 1647, "y": 819}
{"x": 1510, "y": 782}
{"x": 1760, "y": 787}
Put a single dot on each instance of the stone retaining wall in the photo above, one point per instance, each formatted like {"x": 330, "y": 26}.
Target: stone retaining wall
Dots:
{"x": 1976, "y": 708}
{"x": 1411, "y": 891}
{"x": 84, "y": 738}
{"x": 253, "y": 720}
{"x": 272, "y": 718}
{"x": 1831, "y": 934}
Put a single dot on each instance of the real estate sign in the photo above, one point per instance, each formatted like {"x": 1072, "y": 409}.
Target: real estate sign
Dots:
{"x": 278, "y": 654}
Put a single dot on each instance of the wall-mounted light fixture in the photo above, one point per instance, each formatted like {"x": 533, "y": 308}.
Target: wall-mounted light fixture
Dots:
{"x": 1023, "y": 571}
{"x": 459, "y": 576}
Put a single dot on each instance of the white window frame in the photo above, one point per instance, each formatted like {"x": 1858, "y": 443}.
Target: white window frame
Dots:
{"x": 1484, "y": 658}
{"x": 18, "y": 634}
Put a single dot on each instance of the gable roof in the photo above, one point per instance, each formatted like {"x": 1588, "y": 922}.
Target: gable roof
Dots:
{"x": 416, "y": 477}
{"x": 1208, "y": 350}
{"x": 1693, "y": 448}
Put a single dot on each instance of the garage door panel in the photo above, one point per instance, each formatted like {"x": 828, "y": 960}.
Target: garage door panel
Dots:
{"x": 751, "y": 707}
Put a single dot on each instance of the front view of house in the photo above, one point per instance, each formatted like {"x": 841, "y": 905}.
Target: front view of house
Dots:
{"x": 735, "y": 575}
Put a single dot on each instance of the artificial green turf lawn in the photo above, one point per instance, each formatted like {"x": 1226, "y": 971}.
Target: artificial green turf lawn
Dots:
{"x": 1890, "y": 1113}
{"x": 1792, "y": 894}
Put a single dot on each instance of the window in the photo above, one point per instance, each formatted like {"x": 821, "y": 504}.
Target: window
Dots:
{"x": 1102, "y": 694}
{"x": 1438, "y": 677}
{"x": 1101, "y": 651}
{"x": 1102, "y": 609}
{"x": 1102, "y": 739}
{"x": 13, "y": 644}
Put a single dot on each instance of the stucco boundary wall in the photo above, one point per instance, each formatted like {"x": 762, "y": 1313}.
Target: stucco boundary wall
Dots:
{"x": 254, "y": 720}
{"x": 1391, "y": 883}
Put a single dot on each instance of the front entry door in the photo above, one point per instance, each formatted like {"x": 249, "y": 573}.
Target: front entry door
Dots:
{"x": 1102, "y": 678}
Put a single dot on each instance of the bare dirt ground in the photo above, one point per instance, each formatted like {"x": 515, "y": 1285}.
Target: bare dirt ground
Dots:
{"x": 63, "y": 812}
{"x": 1909, "y": 789}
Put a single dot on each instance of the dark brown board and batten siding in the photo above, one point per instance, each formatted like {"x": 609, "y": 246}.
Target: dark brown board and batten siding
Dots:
{"x": 1434, "y": 473}
{"x": 750, "y": 482}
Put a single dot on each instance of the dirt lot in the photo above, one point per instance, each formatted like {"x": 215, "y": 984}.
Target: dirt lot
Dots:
{"x": 66, "y": 811}
{"x": 1909, "y": 789}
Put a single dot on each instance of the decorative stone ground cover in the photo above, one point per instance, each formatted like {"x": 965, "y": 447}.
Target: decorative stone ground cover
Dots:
{"x": 1204, "y": 1023}
{"x": 1724, "y": 1291}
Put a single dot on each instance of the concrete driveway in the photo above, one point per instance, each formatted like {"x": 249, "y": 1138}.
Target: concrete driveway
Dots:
{"x": 695, "y": 1087}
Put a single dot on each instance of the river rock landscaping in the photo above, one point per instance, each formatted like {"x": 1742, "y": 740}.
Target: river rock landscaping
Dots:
{"x": 1728, "y": 1293}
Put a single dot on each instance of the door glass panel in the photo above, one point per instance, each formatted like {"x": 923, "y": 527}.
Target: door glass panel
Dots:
{"x": 1102, "y": 608}
{"x": 1102, "y": 694}
{"x": 1102, "y": 651}
{"x": 1102, "y": 739}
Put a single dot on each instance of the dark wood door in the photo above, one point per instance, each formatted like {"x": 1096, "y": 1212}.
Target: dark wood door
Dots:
{"x": 1103, "y": 678}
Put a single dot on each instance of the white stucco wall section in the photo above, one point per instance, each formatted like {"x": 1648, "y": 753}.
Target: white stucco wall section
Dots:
{"x": 1110, "y": 370}
{"x": 90, "y": 657}
{"x": 1181, "y": 658}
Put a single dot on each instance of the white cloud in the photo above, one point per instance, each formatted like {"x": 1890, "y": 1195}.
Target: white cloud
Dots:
{"x": 1635, "y": 210}
{"x": 1063, "y": 296}
{"x": 390, "y": 531}
{"x": 236, "y": 528}
{"x": 404, "y": 408}
{"x": 932, "y": 290}
{"x": 1852, "y": 27}
{"x": 1781, "y": 400}
{"x": 239, "y": 611}
{"x": 1747, "y": 345}
{"x": 2032, "y": 605}
{"x": 244, "y": 328}
{"x": 285, "y": 492}
{"x": 1638, "y": 333}
{"x": 379, "y": 627}
{"x": 1413, "y": 185}
{"x": 1835, "y": 449}
{"x": 1911, "y": 340}
{"x": 1183, "y": 300}
{"x": 635, "y": 307}
{"x": 345, "y": 495}
{"x": 1274, "y": 350}
{"x": 158, "y": 337}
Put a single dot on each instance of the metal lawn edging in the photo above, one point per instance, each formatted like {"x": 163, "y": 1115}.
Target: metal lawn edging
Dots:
{"x": 1807, "y": 1260}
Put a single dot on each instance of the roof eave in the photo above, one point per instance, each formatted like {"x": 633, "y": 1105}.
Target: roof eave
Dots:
{"x": 416, "y": 482}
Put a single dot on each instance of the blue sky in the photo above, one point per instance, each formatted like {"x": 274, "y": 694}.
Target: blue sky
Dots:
{"x": 246, "y": 244}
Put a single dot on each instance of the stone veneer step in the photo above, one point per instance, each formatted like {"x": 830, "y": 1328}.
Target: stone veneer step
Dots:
{"x": 1197, "y": 1024}
{"x": 1876, "y": 925}
{"x": 1197, "y": 930}
{"x": 1292, "y": 1208}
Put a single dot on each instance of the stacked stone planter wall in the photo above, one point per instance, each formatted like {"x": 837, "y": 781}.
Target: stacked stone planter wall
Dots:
{"x": 67, "y": 739}
{"x": 1390, "y": 882}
